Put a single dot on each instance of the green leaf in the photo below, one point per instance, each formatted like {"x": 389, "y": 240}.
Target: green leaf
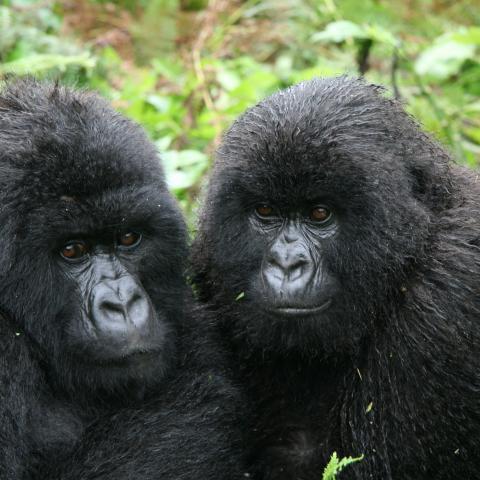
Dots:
{"x": 469, "y": 35}
{"x": 443, "y": 59}
{"x": 336, "y": 466}
{"x": 331, "y": 468}
{"x": 41, "y": 62}
{"x": 168, "y": 68}
{"x": 340, "y": 31}
{"x": 5, "y": 20}
{"x": 228, "y": 80}
{"x": 239, "y": 296}
{"x": 381, "y": 35}
{"x": 184, "y": 168}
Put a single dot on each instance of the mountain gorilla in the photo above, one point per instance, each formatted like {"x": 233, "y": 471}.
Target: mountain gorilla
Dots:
{"x": 99, "y": 343}
{"x": 339, "y": 250}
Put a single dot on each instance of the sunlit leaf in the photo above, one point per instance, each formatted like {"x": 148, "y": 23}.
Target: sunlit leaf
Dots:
{"x": 339, "y": 32}
{"x": 381, "y": 35}
{"x": 240, "y": 296}
{"x": 228, "y": 79}
{"x": 443, "y": 59}
{"x": 184, "y": 168}
{"x": 336, "y": 466}
{"x": 469, "y": 35}
{"x": 37, "y": 63}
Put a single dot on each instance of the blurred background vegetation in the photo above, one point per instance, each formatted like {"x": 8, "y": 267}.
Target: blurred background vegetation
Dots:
{"x": 185, "y": 69}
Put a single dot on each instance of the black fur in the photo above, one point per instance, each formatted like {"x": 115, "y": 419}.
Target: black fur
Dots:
{"x": 70, "y": 166}
{"x": 187, "y": 431}
{"x": 391, "y": 370}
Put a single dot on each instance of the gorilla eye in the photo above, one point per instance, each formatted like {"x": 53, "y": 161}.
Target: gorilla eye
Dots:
{"x": 264, "y": 210}
{"x": 73, "y": 250}
{"x": 129, "y": 239}
{"x": 320, "y": 214}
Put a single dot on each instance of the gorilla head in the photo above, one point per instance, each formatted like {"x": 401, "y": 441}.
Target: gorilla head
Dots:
{"x": 317, "y": 213}
{"x": 92, "y": 243}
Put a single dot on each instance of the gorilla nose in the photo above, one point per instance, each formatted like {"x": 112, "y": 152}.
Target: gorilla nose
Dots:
{"x": 286, "y": 265}
{"x": 120, "y": 305}
{"x": 287, "y": 269}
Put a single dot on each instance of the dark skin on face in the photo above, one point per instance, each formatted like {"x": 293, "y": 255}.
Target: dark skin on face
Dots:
{"x": 117, "y": 312}
{"x": 93, "y": 273}
{"x": 112, "y": 295}
{"x": 292, "y": 271}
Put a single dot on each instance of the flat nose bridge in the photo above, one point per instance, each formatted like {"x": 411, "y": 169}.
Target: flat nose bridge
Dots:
{"x": 123, "y": 289}
{"x": 290, "y": 233}
{"x": 107, "y": 267}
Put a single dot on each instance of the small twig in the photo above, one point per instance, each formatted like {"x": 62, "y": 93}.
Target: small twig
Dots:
{"x": 393, "y": 74}
{"x": 363, "y": 54}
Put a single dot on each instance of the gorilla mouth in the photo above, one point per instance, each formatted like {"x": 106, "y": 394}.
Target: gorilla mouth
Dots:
{"x": 300, "y": 311}
{"x": 139, "y": 356}
{"x": 129, "y": 359}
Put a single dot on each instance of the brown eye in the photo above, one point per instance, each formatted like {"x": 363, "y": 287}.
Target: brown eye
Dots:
{"x": 264, "y": 210}
{"x": 129, "y": 239}
{"x": 320, "y": 214}
{"x": 73, "y": 250}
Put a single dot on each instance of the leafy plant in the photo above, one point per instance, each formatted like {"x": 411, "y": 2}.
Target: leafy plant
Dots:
{"x": 190, "y": 67}
{"x": 336, "y": 465}
{"x": 31, "y": 44}
{"x": 448, "y": 54}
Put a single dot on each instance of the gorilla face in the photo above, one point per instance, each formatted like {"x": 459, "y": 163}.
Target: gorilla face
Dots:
{"x": 293, "y": 279}
{"x": 93, "y": 244}
{"x": 314, "y": 216}
{"x": 114, "y": 303}
{"x": 125, "y": 289}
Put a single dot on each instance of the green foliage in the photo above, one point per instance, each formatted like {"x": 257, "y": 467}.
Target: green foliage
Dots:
{"x": 192, "y": 66}
{"x": 37, "y": 63}
{"x": 448, "y": 54}
{"x": 343, "y": 30}
{"x": 30, "y": 42}
{"x": 239, "y": 296}
{"x": 336, "y": 466}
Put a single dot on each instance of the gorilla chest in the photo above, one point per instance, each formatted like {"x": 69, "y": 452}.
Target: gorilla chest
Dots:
{"x": 294, "y": 435}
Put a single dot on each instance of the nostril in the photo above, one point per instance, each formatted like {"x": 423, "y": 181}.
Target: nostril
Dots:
{"x": 139, "y": 311}
{"x": 110, "y": 306}
{"x": 135, "y": 298}
{"x": 134, "y": 304}
{"x": 296, "y": 270}
{"x": 110, "y": 312}
{"x": 109, "y": 315}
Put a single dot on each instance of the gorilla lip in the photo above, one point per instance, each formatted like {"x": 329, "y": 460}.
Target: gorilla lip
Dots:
{"x": 131, "y": 358}
{"x": 292, "y": 311}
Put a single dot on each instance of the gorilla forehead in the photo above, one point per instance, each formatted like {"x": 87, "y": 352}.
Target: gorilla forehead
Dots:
{"x": 339, "y": 133}
{"x": 56, "y": 143}
{"x": 105, "y": 212}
